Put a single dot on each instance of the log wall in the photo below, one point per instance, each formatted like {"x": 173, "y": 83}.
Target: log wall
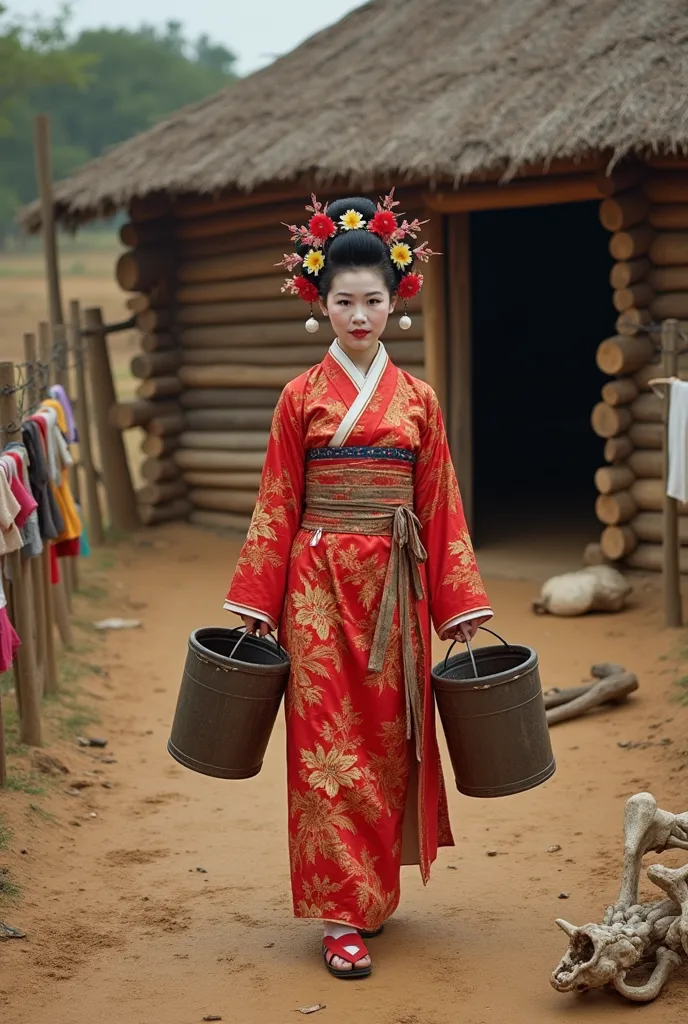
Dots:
{"x": 218, "y": 343}
{"x": 648, "y": 219}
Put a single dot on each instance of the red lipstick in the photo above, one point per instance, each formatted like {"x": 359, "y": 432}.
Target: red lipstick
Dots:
{"x": 359, "y": 334}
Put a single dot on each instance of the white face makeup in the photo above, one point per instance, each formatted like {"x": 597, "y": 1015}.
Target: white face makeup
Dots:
{"x": 358, "y": 306}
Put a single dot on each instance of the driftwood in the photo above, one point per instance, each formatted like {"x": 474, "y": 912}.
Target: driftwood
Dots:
{"x": 611, "y": 684}
{"x": 635, "y": 935}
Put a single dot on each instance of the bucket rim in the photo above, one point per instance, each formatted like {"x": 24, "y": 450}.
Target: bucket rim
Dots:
{"x": 197, "y": 647}
{"x": 440, "y": 672}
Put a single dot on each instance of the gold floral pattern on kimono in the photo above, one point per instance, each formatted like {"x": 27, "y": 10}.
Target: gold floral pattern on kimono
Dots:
{"x": 348, "y": 755}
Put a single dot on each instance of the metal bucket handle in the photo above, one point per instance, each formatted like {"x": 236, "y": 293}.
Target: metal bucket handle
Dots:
{"x": 470, "y": 649}
{"x": 248, "y": 632}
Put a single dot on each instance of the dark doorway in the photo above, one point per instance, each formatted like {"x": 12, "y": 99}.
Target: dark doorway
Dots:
{"x": 541, "y": 304}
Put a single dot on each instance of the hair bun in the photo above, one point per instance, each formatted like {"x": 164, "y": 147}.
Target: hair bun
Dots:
{"x": 360, "y": 204}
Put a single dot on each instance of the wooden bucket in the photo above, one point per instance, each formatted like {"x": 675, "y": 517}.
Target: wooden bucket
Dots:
{"x": 493, "y": 715}
{"x": 230, "y": 694}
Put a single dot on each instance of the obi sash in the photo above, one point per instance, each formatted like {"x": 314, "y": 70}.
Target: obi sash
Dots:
{"x": 349, "y": 500}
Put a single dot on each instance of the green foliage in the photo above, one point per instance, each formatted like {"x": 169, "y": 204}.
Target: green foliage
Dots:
{"x": 5, "y": 836}
{"x": 99, "y": 88}
{"x": 681, "y": 693}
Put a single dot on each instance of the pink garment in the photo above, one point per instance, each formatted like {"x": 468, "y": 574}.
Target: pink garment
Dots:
{"x": 9, "y": 641}
{"x": 26, "y": 501}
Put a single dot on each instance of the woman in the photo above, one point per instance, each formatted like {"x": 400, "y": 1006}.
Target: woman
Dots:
{"x": 357, "y": 486}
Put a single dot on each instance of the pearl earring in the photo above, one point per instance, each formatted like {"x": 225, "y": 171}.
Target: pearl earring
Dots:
{"x": 405, "y": 320}
{"x": 312, "y": 324}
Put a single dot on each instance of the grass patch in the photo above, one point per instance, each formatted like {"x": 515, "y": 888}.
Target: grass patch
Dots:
{"x": 9, "y": 890}
{"x": 41, "y": 813}
{"x": 681, "y": 690}
{"x": 5, "y": 836}
{"x": 92, "y": 591}
{"x": 24, "y": 782}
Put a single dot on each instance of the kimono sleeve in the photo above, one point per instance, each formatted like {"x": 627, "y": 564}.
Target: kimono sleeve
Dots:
{"x": 259, "y": 582}
{"x": 456, "y": 589}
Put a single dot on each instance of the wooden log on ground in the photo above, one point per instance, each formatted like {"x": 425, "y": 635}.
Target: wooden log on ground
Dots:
{"x": 238, "y": 376}
{"x": 648, "y": 495}
{"x": 162, "y": 426}
{"x": 555, "y": 697}
{"x": 624, "y": 210}
{"x": 124, "y": 415}
{"x": 666, "y": 187}
{"x": 628, "y": 245}
{"x": 609, "y": 420}
{"x": 228, "y": 419}
{"x": 669, "y": 218}
{"x": 223, "y": 501}
{"x": 152, "y": 515}
{"x": 242, "y": 290}
{"x": 620, "y": 391}
{"x": 220, "y": 520}
{"x": 613, "y": 478}
{"x": 646, "y": 435}
{"x": 611, "y": 688}
{"x": 649, "y": 528}
{"x": 670, "y": 304}
{"x": 647, "y": 463}
{"x": 626, "y": 273}
{"x": 159, "y": 387}
{"x": 636, "y": 295}
{"x": 631, "y": 320}
{"x": 158, "y": 470}
{"x": 624, "y": 354}
{"x": 618, "y": 449}
{"x": 140, "y": 270}
{"x": 669, "y": 248}
{"x": 618, "y": 541}
{"x": 158, "y": 494}
{"x": 233, "y": 481}
{"x": 155, "y": 364}
{"x": 593, "y": 555}
{"x": 668, "y": 279}
{"x": 187, "y": 458}
{"x": 619, "y": 507}
{"x": 228, "y": 398}
{"x": 156, "y": 342}
{"x": 650, "y": 558}
{"x": 647, "y": 408}
{"x": 158, "y": 446}
{"x": 226, "y": 440}
{"x": 286, "y": 332}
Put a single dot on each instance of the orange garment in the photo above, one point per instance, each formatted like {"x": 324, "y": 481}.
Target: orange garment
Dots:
{"x": 62, "y": 491}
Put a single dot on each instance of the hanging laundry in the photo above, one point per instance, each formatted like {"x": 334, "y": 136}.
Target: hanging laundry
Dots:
{"x": 50, "y": 522}
{"x": 59, "y": 461}
{"x": 60, "y": 395}
{"x": 10, "y": 537}
{"x": 677, "y": 482}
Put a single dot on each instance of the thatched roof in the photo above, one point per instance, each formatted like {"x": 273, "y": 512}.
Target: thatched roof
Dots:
{"x": 418, "y": 89}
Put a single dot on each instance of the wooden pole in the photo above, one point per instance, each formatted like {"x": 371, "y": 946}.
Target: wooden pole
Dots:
{"x": 45, "y": 187}
{"x": 460, "y": 358}
{"x": 95, "y": 519}
{"x": 115, "y": 469}
{"x": 672, "y": 573}
{"x": 27, "y": 677}
{"x": 56, "y": 599}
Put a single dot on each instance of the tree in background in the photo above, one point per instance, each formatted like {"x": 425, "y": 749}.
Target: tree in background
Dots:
{"x": 99, "y": 88}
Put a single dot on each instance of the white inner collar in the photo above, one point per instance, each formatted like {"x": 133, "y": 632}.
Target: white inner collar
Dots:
{"x": 352, "y": 371}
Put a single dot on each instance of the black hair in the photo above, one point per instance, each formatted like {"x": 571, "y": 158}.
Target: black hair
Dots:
{"x": 355, "y": 249}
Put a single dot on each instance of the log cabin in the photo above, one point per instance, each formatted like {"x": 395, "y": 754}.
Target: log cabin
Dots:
{"x": 547, "y": 143}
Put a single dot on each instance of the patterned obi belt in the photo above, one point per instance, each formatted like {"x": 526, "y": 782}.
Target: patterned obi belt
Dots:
{"x": 369, "y": 491}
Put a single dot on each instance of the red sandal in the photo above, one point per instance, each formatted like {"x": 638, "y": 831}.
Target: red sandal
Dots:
{"x": 336, "y": 947}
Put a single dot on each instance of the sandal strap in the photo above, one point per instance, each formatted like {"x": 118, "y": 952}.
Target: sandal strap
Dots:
{"x": 336, "y": 947}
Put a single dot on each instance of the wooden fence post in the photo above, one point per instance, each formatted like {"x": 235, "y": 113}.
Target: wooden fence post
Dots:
{"x": 30, "y": 715}
{"x": 113, "y": 459}
{"x": 35, "y": 564}
{"x": 95, "y": 520}
{"x": 672, "y": 574}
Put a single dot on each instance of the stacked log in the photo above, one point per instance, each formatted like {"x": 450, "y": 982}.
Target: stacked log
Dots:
{"x": 218, "y": 344}
{"x": 649, "y": 219}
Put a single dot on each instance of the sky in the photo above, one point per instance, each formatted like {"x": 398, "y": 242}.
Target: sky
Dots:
{"x": 256, "y": 30}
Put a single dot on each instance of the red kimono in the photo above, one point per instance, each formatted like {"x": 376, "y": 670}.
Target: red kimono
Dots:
{"x": 364, "y": 795}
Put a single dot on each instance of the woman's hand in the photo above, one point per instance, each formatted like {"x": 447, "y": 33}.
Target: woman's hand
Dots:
{"x": 464, "y": 631}
{"x": 256, "y": 625}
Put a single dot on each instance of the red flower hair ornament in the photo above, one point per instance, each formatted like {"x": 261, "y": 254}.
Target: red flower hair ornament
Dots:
{"x": 321, "y": 228}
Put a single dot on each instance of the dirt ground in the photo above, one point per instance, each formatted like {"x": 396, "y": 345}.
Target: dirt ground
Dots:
{"x": 124, "y": 926}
